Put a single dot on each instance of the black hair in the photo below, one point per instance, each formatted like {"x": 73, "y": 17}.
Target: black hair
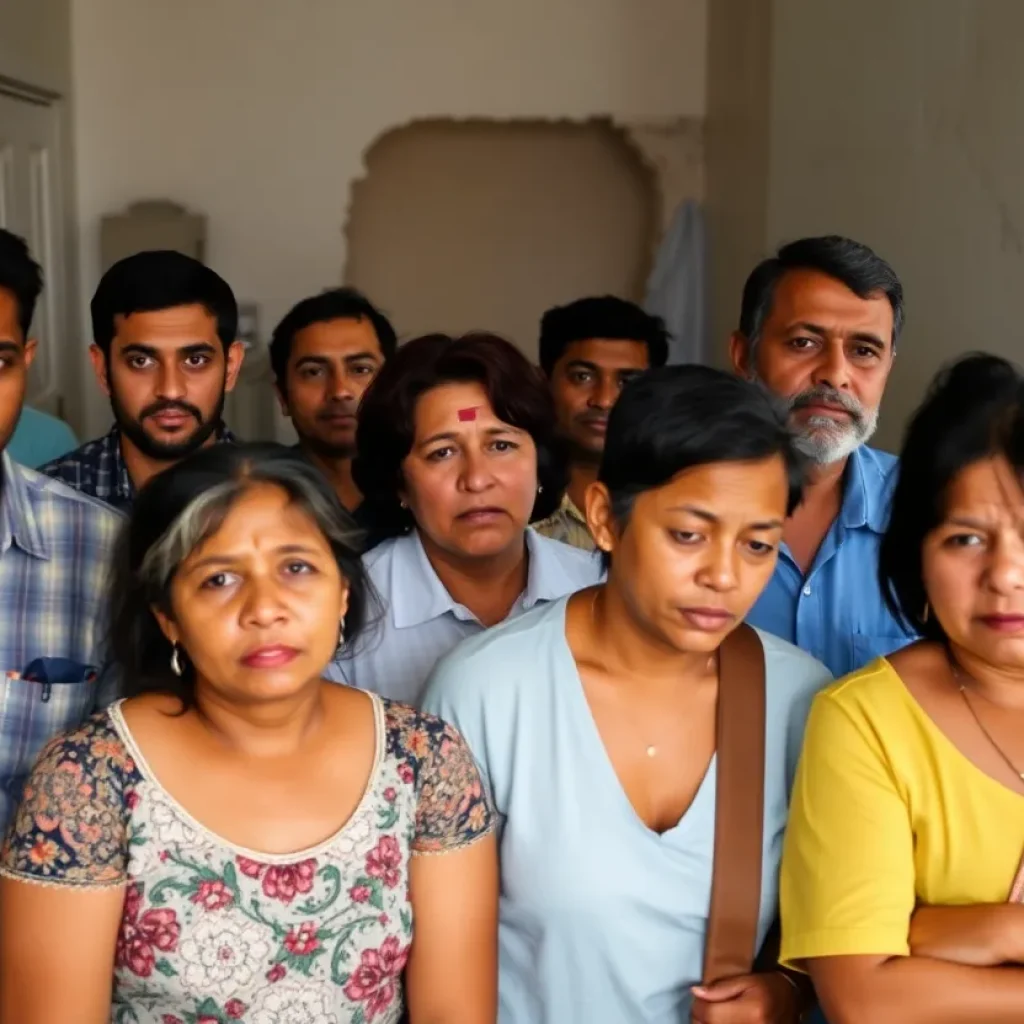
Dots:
{"x": 853, "y": 264}
{"x": 603, "y": 316}
{"x": 678, "y": 417}
{"x": 333, "y": 304}
{"x": 387, "y": 419}
{"x": 149, "y": 282}
{"x": 973, "y": 410}
{"x": 174, "y": 513}
{"x": 21, "y": 276}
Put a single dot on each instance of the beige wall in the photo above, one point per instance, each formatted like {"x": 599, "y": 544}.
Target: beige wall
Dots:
{"x": 466, "y": 225}
{"x": 258, "y": 113}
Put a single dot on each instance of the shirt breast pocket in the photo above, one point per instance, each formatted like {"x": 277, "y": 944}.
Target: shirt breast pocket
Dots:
{"x": 866, "y": 647}
{"x": 50, "y": 696}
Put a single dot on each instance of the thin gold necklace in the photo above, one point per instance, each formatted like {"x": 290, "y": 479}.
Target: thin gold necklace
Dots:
{"x": 962, "y": 678}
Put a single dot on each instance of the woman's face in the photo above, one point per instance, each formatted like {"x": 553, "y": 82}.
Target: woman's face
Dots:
{"x": 696, "y": 553}
{"x": 257, "y": 607}
{"x": 470, "y": 480}
{"x": 973, "y": 564}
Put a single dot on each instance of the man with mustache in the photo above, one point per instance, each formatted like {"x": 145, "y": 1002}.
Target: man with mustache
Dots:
{"x": 324, "y": 354}
{"x": 819, "y": 324}
{"x": 165, "y": 353}
{"x": 589, "y": 350}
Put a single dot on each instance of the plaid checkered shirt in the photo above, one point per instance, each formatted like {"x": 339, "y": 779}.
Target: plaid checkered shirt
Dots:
{"x": 56, "y": 548}
{"x": 98, "y": 468}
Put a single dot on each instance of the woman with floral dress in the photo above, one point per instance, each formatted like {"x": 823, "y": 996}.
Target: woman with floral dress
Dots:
{"x": 239, "y": 841}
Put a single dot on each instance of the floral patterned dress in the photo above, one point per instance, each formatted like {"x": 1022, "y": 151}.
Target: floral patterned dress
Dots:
{"x": 216, "y": 934}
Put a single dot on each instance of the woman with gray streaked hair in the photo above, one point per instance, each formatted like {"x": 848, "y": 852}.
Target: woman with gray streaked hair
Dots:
{"x": 240, "y": 840}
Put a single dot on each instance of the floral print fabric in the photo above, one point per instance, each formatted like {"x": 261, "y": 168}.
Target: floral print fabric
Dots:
{"x": 213, "y": 934}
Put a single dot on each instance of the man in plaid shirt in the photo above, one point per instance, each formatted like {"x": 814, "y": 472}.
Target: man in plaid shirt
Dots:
{"x": 56, "y": 546}
{"x": 165, "y": 353}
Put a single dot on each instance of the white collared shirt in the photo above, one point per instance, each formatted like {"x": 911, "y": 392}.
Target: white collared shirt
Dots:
{"x": 418, "y": 621}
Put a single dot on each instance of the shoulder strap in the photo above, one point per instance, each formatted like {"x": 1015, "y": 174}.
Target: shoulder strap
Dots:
{"x": 730, "y": 944}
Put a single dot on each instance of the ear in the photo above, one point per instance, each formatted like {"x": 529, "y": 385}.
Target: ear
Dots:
{"x": 236, "y": 356}
{"x": 739, "y": 355}
{"x": 99, "y": 367}
{"x": 346, "y": 590}
{"x": 31, "y": 347}
{"x": 282, "y": 402}
{"x": 597, "y": 504}
{"x": 166, "y": 624}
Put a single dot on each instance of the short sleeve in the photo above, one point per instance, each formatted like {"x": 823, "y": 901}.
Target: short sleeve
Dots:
{"x": 847, "y": 885}
{"x": 71, "y": 827}
{"x": 452, "y": 807}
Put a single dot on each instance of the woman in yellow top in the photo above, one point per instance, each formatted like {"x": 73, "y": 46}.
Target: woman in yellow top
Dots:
{"x": 907, "y": 820}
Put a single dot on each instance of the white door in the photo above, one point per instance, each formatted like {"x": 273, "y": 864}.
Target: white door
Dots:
{"x": 30, "y": 176}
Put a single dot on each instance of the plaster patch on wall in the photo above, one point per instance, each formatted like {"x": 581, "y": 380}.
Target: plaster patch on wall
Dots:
{"x": 673, "y": 150}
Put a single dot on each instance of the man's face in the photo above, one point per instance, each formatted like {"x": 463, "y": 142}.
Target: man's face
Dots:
{"x": 166, "y": 378}
{"x": 585, "y": 384}
{"x": 330, "y": 365}
{"x": 828, "y": 353}
{"x": 16, "y": 355}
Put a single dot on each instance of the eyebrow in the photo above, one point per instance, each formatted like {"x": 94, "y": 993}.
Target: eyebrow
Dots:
{"x": 225, "y": 560}
{"x": 320, "y": 360}
{"x": 451, "y": 435}
{"x": 585, "y": 364}
{"x": 710, "y": 517}
{"x": 193, "y": 349}
{"x": 863, "y": 336}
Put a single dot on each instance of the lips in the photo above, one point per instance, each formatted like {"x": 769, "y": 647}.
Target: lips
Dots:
{"x": 1004, "y": 623}
{"x": 708, "y": 620}
{"x": 171, "y": 419}
{"x": 481, "y": 515}
{"x": 270, "y": 656}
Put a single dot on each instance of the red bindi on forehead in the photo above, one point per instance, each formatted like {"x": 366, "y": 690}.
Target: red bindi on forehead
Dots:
{"x": 467, "y": 415}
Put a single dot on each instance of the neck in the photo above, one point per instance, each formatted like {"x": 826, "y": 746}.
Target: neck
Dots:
{"x": 628, "y": 649}
{"x": 1001, "y": 685}
{"x": 825, "y": 480}
{"x": 141, "y": 467}
{"x": 581, "y": 476}
{"x": 338, "y": 470}
{"x": 266, "y": 730}
{"x": 488, "y": 586}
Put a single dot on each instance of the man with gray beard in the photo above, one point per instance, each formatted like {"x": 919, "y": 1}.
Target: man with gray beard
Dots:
{"x": 818, "y": 327}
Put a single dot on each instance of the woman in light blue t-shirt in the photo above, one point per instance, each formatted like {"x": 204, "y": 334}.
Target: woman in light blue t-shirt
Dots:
{"x": 593, "y": 718}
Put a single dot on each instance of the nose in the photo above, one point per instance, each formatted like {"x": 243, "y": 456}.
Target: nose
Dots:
{"x": 171, "y": 381}
{"x": 719, "y": 570}
{"x": 263, "y": 606}
{"x": 832, "y": 368}
{"x": 341, "y": 386}
{"x": 476, "y": 473}
{"x": 605, "y": 393}
{"x": 1006, "y": 566}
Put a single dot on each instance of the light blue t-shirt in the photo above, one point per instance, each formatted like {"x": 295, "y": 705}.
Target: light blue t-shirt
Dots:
{"x": 836, "y": 611}
{"x": 602, "y": 920}
{"x": 39, "y": 437}
{"x": 419, "y": 621}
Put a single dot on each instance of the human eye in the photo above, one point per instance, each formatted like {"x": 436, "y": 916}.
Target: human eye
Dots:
{"x": 687, "y": 538}
{"x": 963, "y": 540}
{"x": 581, "y": 376}
{"x": 365, "y": 370}
{"x": 760, "y": 547}
{"x": 298, "y": 567}
{"x": 440, "y": 454}
{"x": 502, "y": 445}
{"x": 139, "y": 362}
{"x": 309, "y": 372}
{"x": 802, "y": 343}
{"x": 218, "y": 581}
{"x": 196, "y": 360}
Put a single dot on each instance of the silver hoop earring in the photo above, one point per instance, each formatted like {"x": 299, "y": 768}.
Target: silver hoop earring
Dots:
{"x": 176, "y": 660}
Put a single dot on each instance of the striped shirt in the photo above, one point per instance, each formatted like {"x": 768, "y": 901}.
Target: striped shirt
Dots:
{"x": 98, "y": 468}
{"x": 56, "y": 547}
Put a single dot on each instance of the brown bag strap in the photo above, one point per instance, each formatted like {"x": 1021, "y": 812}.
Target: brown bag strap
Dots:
{"x": 731, "y": 942}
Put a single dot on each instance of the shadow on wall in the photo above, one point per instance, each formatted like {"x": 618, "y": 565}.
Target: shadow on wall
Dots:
{"x": 485, "y": 224}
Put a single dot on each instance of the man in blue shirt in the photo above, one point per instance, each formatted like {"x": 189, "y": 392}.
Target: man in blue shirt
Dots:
{"x": 818, "y": 327}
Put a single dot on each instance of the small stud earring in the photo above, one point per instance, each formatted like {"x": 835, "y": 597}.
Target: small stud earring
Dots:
{"x": 926, "y": 612}
{"x": 540, "y": 489}
{"x": 176, "y": 660}
{"x": 402, "y": 504}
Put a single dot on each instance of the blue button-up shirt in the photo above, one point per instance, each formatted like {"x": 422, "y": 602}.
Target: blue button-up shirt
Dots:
{"x": 56, "y": 549}
{"x": 836, "y": 611}
{"x": 419, "y": 621}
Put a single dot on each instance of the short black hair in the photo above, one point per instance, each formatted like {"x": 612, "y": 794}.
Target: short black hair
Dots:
{"x": 605, "y": 316}
{"x": 852, "y": 263}
{"x": 387, "y": 419}
{"x": 678, "y": 417}
{"x": 156, "y": 280}
{"x": 973, "y": 410}
{"x": 21, "y": 276}
{"x": 333, "y": 304}
{"x": 174, "y": 513}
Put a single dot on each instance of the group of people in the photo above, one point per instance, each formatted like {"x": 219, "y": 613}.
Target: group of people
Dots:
{"x": 420, "y": 716}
